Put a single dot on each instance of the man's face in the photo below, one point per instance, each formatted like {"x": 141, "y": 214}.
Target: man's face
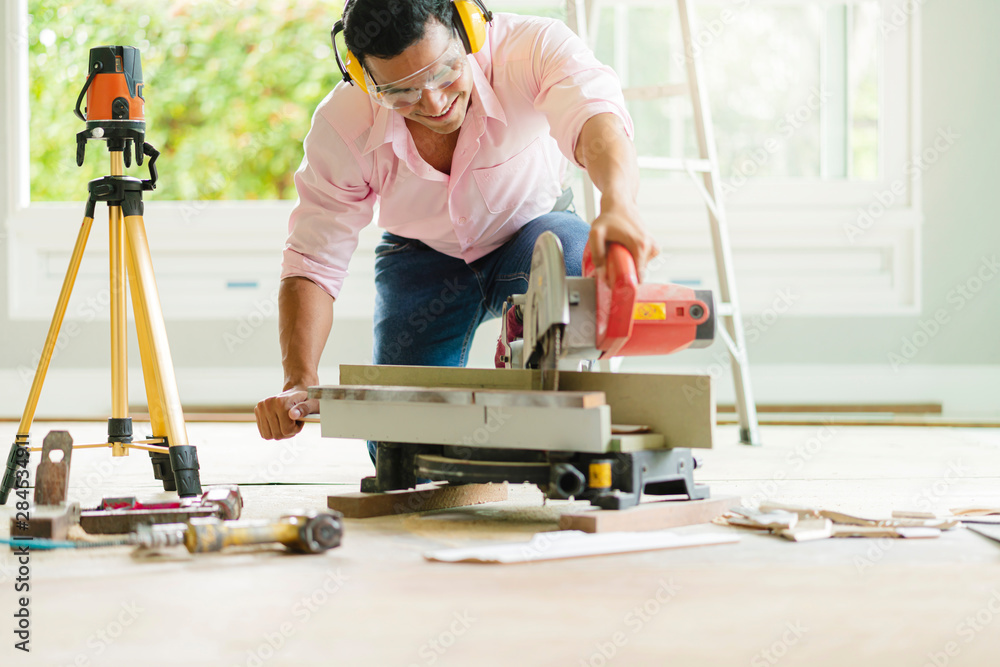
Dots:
{"x": 443, "y": 110}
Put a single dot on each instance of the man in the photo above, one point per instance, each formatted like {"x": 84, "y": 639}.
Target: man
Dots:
{"x": 464, "y": 153}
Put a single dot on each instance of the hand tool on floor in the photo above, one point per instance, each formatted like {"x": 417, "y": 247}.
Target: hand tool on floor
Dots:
{"x": 604, "y": 437}
{"x": 305, "y": 532}
{"x": 115, "y": 113}
{"x": 124, "y": 515}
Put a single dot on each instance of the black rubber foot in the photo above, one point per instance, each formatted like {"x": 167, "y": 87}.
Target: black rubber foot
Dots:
{"x": 184, "y": 463}
{"x": 162, "y": 470}
{"x": 10, "y": 472}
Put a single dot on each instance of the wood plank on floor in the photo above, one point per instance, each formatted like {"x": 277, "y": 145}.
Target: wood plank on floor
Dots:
{"x": 424, "y": 498}
{"x": 649, "y": 516}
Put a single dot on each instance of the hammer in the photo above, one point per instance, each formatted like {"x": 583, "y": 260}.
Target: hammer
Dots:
{"x": 305, "y": 532}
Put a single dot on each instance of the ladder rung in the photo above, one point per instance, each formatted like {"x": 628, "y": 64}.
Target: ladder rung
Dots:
{"x": 674, "y": 164}
{"x": 656, "y": 92}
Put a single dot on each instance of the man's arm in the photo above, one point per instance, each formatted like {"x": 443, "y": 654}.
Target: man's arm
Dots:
{"x": 305, "y": 316}
{"x": 609, "y": 157}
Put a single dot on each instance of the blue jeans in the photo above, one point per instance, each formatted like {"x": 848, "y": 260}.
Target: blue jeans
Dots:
{"x": 428, "y": 305}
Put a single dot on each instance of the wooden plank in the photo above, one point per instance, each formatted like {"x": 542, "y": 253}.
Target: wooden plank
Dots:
{"x": 649, "y": 516}
{"x": 424, "y": 498}
{"x": 439, "y": 376}
{"x": 458, "y": 396}
{"x": 681, "y": 408}
{"x": 892, "y": 408}
{"x": 636, "y": 442}
{"x": 508, "y": 427}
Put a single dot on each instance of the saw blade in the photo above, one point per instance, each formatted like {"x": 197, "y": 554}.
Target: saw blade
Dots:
{"x": 550, "y": 360}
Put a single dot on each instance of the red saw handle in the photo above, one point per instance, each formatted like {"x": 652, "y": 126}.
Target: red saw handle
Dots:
{"x": 615, "y": 304}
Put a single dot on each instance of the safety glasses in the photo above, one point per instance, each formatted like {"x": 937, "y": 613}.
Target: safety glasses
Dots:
{"x": 443, "y": 72}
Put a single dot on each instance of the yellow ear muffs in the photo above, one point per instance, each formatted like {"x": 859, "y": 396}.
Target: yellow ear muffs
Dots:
{"x": 355, "y": 70}
{"x": 471, "y": 17}
{"x": 350, "y": 68}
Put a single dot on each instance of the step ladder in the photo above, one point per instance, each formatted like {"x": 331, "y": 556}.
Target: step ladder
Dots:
{"x": 582, "y": 18}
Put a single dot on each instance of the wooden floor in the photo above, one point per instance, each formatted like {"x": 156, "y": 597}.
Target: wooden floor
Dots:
{"x": 376, "y": 602}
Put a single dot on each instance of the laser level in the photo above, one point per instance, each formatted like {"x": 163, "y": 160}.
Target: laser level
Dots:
{"x": 115, "y": 106}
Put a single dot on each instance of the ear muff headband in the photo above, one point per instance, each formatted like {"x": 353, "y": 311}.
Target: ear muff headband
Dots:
{"x": 470, "y": 19}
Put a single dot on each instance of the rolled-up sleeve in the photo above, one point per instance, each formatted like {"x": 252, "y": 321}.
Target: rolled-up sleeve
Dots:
{"x": 573, "y": 86}
{"x": 335, "y": 202}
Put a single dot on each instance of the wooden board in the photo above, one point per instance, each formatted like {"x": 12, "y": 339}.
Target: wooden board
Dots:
{"x": 424, "y": 498}
{"x": 681, "y": 408}
{"x": 507, "y": 427}
{"x": 649, "y": 516}
{"x": 458, "y": 396}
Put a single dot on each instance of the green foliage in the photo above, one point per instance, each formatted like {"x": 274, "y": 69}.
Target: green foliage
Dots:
{"x": 230, "y": 87}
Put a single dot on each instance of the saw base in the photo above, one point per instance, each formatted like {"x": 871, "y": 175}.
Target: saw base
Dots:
{"x": 611, "y": 481}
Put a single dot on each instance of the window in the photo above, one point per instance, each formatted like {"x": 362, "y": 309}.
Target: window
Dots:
{"x": 815, "y": 106}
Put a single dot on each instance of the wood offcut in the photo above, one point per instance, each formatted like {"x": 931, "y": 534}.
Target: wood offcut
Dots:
{"x": 424, "y": 498}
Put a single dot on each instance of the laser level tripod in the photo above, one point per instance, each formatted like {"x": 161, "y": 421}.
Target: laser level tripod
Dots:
{"x": 116, "y": 114}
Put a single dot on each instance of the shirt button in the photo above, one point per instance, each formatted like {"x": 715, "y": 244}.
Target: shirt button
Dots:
{"x": 468, "y": 241}
{"x": 461, "y": 221}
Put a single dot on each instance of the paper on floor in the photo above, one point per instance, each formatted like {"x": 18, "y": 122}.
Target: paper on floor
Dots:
{"x": 574, "y": 544}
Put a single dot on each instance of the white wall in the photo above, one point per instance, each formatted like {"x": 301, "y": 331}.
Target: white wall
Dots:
{"x": 800, "y": 359}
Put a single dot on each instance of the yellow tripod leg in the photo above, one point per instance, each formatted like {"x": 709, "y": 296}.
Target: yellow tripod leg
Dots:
{"x": 156, "y": 352}
{"x": 28, "y": 416}
{"x": 119, "y": 325}
{"x": 53, "y": 336}
{"x": 149, "y": 369}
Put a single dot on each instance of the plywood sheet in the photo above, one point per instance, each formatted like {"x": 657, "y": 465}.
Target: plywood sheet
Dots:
{"x": 681, "y": 408}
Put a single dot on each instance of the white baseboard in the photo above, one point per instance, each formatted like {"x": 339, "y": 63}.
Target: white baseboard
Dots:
{"x": 962, "y": 390}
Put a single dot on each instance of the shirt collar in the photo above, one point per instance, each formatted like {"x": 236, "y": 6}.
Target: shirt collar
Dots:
{"x": 382, "y": 127}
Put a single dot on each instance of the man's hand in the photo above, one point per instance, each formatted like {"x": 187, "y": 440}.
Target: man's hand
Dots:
{"x": 619, "y": 222}
{"x": 305, "y": 315}
{"x": 280, "y": 417}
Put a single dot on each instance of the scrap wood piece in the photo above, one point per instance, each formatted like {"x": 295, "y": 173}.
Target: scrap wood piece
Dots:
{"x": 899, "y": 520}
{"x": 655, "y": 515}
{"x": 774, "y": 520}
{"x": 803, "y": 512}
{"x": 808, "y": 530}
{"x": 989, "y": 515}
{"x": 574, "y": 544}
{"x": 424, "y": 498}
{"x": 885, "y": 531}
{"x": 922, "y": 514}
{"x": 842, "y": 518}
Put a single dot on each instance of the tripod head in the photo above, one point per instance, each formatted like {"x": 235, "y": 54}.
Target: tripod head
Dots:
{"x": 115, "y": 110}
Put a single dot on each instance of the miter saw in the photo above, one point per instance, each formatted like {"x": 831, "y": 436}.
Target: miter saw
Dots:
{"x": 572, "y": 322}
{"x": 604, "y": 437}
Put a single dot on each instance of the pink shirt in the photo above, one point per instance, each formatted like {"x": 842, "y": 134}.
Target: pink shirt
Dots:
{"x": 535, "y": 85}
